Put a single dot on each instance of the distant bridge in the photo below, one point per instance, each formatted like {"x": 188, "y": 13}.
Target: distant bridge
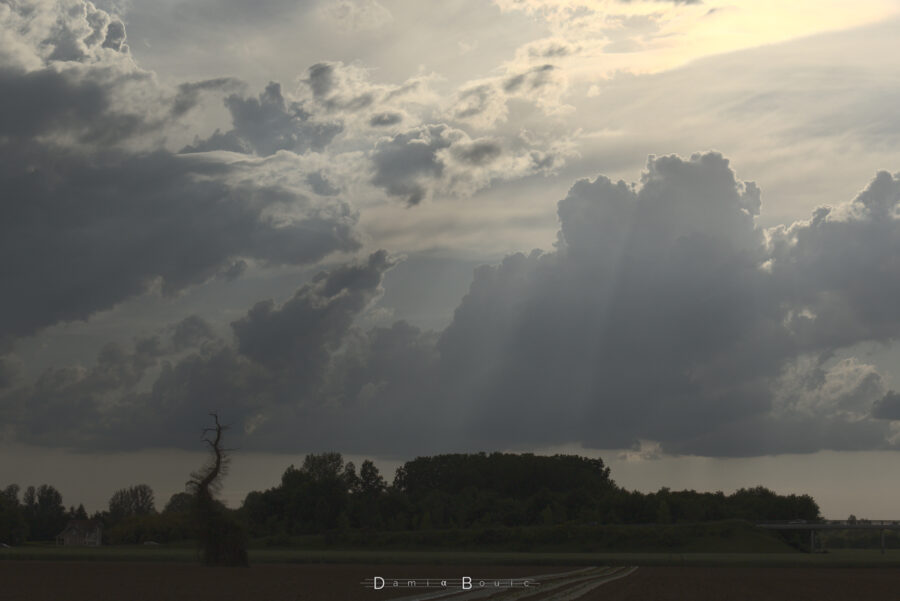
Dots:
{"x": 813, "y": 527}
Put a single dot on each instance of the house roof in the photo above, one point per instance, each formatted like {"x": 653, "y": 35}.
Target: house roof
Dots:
{"x": 82, "y": 526}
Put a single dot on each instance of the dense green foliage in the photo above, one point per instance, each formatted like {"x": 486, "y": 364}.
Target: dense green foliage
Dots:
{"x": 44, "y": 512}
{"x": 488, "y": 491}
{"x": 13, "y": 529}
{"x": 131, "y": 502}
{"x": 511, "y": 500}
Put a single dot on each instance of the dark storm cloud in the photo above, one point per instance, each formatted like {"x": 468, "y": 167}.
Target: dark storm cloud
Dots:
{"x": 845, "y": 286}
{"x": 191, "y": 332}
{"x": 321, "y": 80}
{"x": 77, "y": 396}
{"x": 10, "y": 371}
{"x": 81, "y": 234}
{"x": 267, "y": 124}
{"x": 53, "y": 104}
{"x": 478, "y": 153}
{"x": 281, "y": 356}
{"x": 439, "y": 160}
{"x": 385, "y": 119}
{"x": 664, "y": 314}
{"x": 42, "y": 101}
{"x": 299, "y": 334}
{"x": 86, "y": 221}
{"x": 321, "y": 185}
{"x": 332, "y": 92}
{"x": 102, "y": 406}
{"x": 274, "y": 373}
{"x": 189, "y": 93}
{"x": 404, "y": 161}
{"x": 887, "y": 407}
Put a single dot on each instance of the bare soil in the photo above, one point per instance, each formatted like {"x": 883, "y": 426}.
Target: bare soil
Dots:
{"x": 134, "y": 581}
{"x": 752, "y": 584}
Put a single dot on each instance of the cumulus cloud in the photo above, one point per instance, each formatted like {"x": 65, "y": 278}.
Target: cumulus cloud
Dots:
{"x": 485, "y": 103}
{"x": 887, "y": 407}
{"x": 404, "y": 162}
{"x": 347, "y": 93}
{"x": 300, "y": 333}
{"x": 438, "y": 159}
{"x": 662, "y": 320}
{"x": 153, "y": 393}
{"x": 384, "y": 119}
{"x": 80, "y": 235}
{"x": 665, "y": 319}
{"x": 41, "y": 32}
{"x": 267, "y": 124}
{"x": 191, "y": 332}
{"x": 96, "y": 211}
{"x": 842, "y": 289}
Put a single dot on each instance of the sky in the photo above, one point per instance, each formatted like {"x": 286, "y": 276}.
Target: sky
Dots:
{"x": 661, "y": 232}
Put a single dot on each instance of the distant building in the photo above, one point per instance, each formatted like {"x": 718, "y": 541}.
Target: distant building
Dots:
{"x": 81, "y": 533}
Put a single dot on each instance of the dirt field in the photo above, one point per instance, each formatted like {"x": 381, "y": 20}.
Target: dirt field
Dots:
{"x": 134, "y": 581}
{"x": 753, "y": 584}
{"x": 110, "y": 581}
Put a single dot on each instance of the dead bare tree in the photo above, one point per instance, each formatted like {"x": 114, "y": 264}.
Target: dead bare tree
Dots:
{"x": 222, "y": 540}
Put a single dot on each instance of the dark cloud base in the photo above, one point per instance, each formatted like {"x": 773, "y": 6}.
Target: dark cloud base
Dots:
{"x": 664, "y": 314}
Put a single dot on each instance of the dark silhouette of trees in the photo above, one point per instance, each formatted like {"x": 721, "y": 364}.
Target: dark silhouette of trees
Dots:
{"x": 132, "y": 501}
{"x": 44, "y": 512}
{"x": 371, "y": 482}
{"x": 77, "y": 513}
{"x": 222, "y": 540}
{"x": 180, "y": 502}
{"x": 481, "y": 491}
{"x": 13, "y": 529}
{"x": 460, "y": 499}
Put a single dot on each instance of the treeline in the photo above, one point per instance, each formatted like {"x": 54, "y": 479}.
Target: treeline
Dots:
{"x": 444, "y": 492}
{"x": 39, "y": 515}
{"x": 131, "y": 516}
{"x": 481, "y": 491}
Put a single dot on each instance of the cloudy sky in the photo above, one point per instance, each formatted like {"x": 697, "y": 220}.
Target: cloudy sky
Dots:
{"x": 663, "y": 232}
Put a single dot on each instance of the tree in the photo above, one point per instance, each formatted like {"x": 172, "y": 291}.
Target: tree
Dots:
{"x": 351, "y": 480}
{"x": 44, "y": 512}
{"x": 12, "y": 492}
{"x": 79, "y": 513}
{"x": 131, "y": 501}
{"x": 13, "y": 529}
{"x": 222, "y": 540}
{"x": 371, "y": 482}
{"x": 180, "y": 502}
